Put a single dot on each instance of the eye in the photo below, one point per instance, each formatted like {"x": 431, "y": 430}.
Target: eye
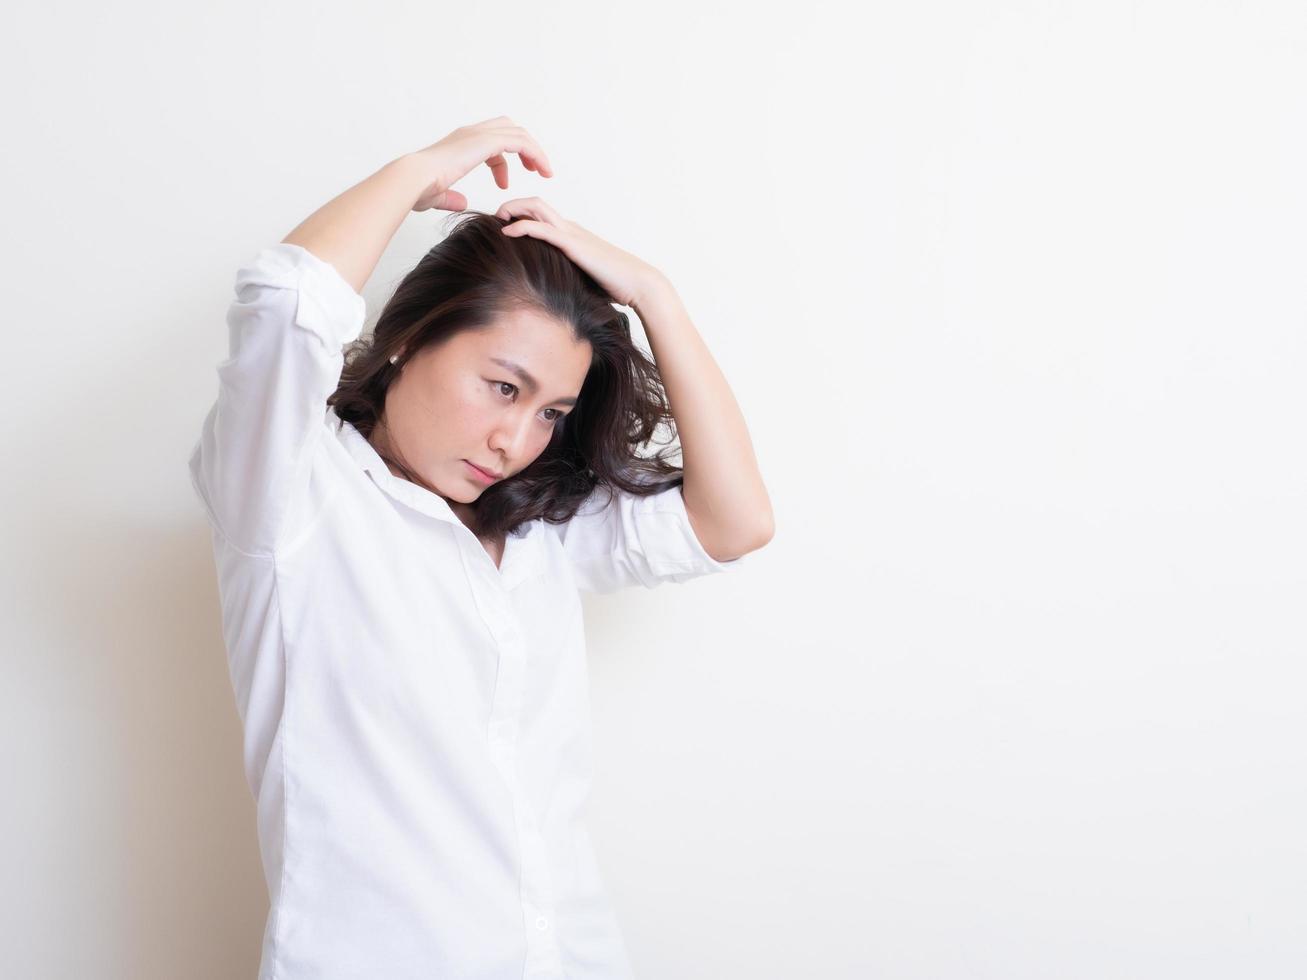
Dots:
{"x": 501, "y": 385}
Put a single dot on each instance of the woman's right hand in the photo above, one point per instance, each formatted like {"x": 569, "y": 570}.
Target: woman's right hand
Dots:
{"x": 468, "y": 146}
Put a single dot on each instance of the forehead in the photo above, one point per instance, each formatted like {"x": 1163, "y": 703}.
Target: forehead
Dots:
{"x": 544, "y": 345}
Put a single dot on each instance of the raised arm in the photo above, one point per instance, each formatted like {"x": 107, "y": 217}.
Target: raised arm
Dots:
{"x": 297, "y": 305}
{"x": 352, "y": 230}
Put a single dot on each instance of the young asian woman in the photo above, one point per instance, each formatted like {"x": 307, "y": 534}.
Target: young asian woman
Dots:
{"x": 402, "y": 525}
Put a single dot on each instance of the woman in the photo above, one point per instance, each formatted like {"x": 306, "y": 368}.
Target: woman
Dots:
{"x": 400, "y": 544}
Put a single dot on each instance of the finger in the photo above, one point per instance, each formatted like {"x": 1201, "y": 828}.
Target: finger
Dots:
{"x": 499, "y": 163}
{"x": 535, "y": 229}
{"x": 451, "y": 200}
{"x": 539, "y": 203}
{"x": 535, "y": 161}
{"x": 532, "y": 207}
{"x": 542, "y": 166}
{"x": 499, "y": 167}
{"x": 516, "y": 207}
{"x": 525, "y": 146}
{"x": 548, "y": 211}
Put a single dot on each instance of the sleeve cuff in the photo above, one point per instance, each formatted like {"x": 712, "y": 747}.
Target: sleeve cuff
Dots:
{"x": 327, "y": 305}
{"x": 668, "y": 539}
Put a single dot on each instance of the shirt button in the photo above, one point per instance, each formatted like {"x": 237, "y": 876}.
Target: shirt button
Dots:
{"x": 542, "y": 923}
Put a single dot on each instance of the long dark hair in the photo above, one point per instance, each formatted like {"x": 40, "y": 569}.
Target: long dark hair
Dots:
{"x": 468, "y": 279}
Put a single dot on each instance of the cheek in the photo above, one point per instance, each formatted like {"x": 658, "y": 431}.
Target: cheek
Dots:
{"x": 440, "y": 418}
{"x": 465, "y": 411}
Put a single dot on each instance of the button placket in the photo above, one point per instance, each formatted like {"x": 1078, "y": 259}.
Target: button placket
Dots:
{"x": 543, "y": 956}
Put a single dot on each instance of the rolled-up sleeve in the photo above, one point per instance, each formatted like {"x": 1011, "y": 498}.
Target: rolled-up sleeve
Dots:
{"x": 292, "y": 316}
{"x": 624, "y": 539}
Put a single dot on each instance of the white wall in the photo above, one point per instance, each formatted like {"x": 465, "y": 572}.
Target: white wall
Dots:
{"x": 1011, "y": 295}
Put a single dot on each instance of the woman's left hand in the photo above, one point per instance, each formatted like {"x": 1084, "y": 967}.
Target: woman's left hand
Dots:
{"x": 623, "y": 276}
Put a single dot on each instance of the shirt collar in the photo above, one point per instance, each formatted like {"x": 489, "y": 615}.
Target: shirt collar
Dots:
{"x": 521, "y": 558}
{"x": 419, "y": 498}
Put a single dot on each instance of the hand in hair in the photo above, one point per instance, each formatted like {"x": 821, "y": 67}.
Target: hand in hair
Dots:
{"x": 622, "y": 275}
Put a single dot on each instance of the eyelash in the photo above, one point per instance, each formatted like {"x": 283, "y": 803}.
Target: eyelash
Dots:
{"x": 510, "y": 384}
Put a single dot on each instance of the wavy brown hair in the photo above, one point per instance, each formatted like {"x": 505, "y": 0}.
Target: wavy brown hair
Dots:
{"x": 471, "y": 277}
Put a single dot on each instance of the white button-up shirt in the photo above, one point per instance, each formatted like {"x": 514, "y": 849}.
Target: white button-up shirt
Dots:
{"x": 416, "y": 720}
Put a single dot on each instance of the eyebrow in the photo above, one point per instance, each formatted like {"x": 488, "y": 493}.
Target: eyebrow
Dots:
{"x": 525, "y": 377}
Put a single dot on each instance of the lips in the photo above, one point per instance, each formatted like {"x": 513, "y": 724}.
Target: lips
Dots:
{"x": 489, "y": 473}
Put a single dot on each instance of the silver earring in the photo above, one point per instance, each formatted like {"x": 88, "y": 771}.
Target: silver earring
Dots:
{"x": 394, "y": 358}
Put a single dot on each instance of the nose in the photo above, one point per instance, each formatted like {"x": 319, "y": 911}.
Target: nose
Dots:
{"x": 511, "y": 438}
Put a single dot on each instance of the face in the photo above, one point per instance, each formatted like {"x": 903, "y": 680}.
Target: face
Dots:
{"x": 490, "y": 397}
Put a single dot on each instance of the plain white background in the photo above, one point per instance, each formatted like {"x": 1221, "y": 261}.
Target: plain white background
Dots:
{"x": 1011, "y": 295}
